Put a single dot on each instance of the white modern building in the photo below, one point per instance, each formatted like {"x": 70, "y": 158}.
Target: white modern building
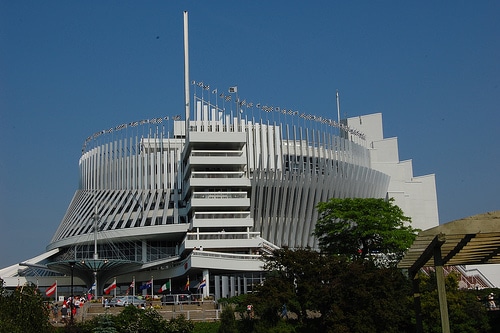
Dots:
{"x": 164, "y": 201}
{"x": 200, "y": 198}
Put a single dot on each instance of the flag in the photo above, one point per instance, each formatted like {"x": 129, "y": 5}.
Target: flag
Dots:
{"x": 147, "y": 285}
{"x": 51, "y": 290}
{"x": 110, "y": 287}
{"x": 130, "y": 286}
{"x": 203, "y": 284}
{"x": 233, "y": 89}
{"x": 187, "y": 285}
{"x": 91, "y": 288}
{"x": 165, "y": 287}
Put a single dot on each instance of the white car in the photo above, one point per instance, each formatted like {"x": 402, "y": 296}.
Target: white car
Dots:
{"x": 127, "y": 300}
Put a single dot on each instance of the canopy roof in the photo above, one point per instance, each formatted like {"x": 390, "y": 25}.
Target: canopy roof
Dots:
{"x": 474, "y": 240}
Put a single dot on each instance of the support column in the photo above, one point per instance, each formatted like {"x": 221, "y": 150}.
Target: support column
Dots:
{"x": 144, "y": 257}
{"x": 206, "y": 278}
{"x": 233, "y": 286}
{"x": 417, "y": 302}
{"x": 217, "y": 294}
{"x": 225, "y": 286}
{"x": 443, "y": 304}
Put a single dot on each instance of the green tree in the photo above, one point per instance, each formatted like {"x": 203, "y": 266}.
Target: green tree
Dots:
{"x": 206, "y": 327}
{"x": 368, "y": 298}
{"x": 23, "y": 311}
{"x": 296, "y": 278}
{"x": 179, "y": 325}
{"x": 328, "y": 293}
{"x": 227, "y": 320}
{"x": 134, "y": 320}
{"x": 466, "y": 313}
{"x": 104, "y": 324}
{"x": 363, "y": 227}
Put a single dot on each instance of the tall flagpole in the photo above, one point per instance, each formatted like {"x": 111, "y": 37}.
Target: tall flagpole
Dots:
{"x": 152, "y": 288}
{"x": 94, "y": 287}
{"x": 186, "y": 71}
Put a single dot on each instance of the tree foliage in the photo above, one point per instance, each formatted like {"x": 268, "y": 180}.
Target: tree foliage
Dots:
{"x": 135, "y": 320}
{"x": 23, "y": 311}
{"x": 328, "y": 293}
{"x": 206, "y": 326}
{"x": 228, "y": 321}
{"x": 363, "y": 227}
{"x": 104, "y": 324}
{"x": 466, "y": 312}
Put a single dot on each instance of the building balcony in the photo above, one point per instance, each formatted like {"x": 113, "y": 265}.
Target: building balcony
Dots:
{"x": 221, "y": 220}
{"x": 220, "y": 199}
{"x": 221, "y": 240}
{"x": 216, "y": 157}
{"x": 220, "y": 178}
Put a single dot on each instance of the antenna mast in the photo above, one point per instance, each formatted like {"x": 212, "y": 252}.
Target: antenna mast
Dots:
{"x": 338, "y": 108}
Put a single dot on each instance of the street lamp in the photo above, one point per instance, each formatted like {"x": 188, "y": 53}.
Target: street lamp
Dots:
{"x": 72, "y": 266}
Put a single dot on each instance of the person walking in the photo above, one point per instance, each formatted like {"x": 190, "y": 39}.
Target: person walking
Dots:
{"x": 284, "y": 312}
{"x": 64, "y": 313}
{"x": 55, "y": 312}
{"x": 491, "y": 301}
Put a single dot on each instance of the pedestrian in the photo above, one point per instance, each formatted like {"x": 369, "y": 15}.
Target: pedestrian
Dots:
{"x": 284, "y": 312}
{"x": 64, "y": 313}
{"x": 55, "y": 312}
{"x": 491, "y": 301}
{"x": 250, "y": 311}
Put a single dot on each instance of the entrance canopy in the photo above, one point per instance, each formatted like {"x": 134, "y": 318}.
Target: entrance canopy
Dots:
{"x": 473, "y": 240}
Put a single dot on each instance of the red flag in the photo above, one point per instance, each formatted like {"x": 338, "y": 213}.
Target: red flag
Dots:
{"x": 110, "y": 287}
{"x": 51, "y": 290}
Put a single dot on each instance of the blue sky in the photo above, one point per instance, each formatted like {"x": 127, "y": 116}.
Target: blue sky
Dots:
{"x": 69, "y": 69}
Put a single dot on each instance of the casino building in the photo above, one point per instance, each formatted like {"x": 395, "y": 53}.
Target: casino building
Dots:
{"x": 161, "y": 200}
{"x": 199, "y": 199}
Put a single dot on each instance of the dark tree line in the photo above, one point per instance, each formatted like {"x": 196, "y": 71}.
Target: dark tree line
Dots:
{"x": 352, "y": 284}
{"x": 23, "y": 311}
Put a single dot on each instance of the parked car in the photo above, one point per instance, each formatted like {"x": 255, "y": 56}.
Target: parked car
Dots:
{"x": 127, "y": 300}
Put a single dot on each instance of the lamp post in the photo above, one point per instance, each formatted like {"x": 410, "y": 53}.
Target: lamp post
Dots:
{"x": 72, "y": 266}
